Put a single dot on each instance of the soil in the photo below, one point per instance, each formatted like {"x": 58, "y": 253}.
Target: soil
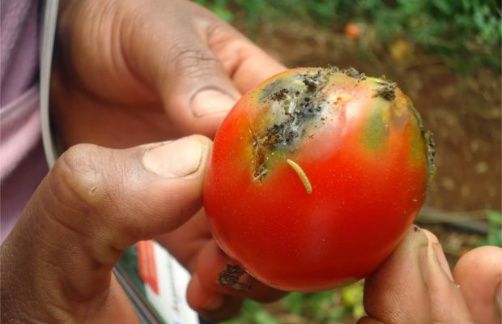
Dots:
{"x": 462, "y": 111}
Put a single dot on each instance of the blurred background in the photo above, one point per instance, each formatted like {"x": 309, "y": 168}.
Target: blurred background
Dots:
{"x": 446, "y": 55}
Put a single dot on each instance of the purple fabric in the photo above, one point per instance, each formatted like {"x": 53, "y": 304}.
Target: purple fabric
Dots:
{"x": 19, "y": 129}
{"x": 22, "y": 163}
{"x": 18, "y": 187}
{"x": 19, "y": 47}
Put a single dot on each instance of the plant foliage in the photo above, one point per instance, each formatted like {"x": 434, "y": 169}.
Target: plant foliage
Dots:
{"x": 466, "y": 34}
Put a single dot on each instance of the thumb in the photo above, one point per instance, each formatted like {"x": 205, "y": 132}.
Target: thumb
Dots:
{"x": 94, "y": 204}
{"x": 173, "y": 56}
{"x": 479, "y": 274}
{"x": 414, "y": 285}
{"x": 196, "y": 91}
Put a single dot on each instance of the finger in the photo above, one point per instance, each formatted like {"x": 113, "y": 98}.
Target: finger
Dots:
{"x": 414, "y": 286}
{"x": 210, "y": 304}
{"x": 191, "y": 81}
{"x": 218, "y": 276}
{"x": 479, "y": 274}
{"x": 385, "y": 298}
{"x": 446, "y": 300}
{"x": 197, "y": 93}
{"x": 95, "y": 203}
{"x": 368, "y": 320}
{"x": 187, "y": 241}
{"x": 247, "y": 64}
{"x": 244, "y": 62}
{"x": 217, "y": 272}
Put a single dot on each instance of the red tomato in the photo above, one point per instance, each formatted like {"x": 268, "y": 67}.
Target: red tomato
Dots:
{"x": 315, "y": 176}
{"x": 352, "y": 31}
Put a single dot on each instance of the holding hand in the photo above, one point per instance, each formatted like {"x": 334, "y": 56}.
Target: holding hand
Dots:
{"x": 416, "y": 285}
{"x": 131, "y": 72}
{"x": 95, "y": 203}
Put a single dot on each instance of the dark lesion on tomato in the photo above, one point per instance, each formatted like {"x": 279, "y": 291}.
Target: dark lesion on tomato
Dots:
{"x": 386, "y": 90}
{"x": 352, "y": 73}
{"x": 431, "y": 154}
{"x": 259, "y": 159}
{"x": 293, "y": 106}
{"x": 430, "y": 143}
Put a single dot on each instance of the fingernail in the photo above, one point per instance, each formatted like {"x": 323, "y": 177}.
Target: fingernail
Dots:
{"x": 210, "y": 102}
{"x": 441, "y": 260}
{"x": 434, "y": 261}
{"x": 174, "y": 159}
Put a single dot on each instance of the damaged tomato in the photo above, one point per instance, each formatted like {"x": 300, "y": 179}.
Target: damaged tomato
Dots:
{"x": 315, "y": 176}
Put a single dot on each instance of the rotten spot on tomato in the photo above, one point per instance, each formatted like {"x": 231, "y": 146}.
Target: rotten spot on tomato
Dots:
{"x": 294, "y": 106}
{"x": 315, "y": 176}
{"x": 386, "y": 90}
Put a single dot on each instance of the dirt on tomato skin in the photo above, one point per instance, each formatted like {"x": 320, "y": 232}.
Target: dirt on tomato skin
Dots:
{"x": 386, "y": 90}
{"x": 292, "y": 110}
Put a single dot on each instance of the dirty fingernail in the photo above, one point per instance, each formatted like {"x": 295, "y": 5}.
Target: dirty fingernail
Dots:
{"x": 211, "y": 101}
{"x": 433, "y": 260}
{"x": 441, "y": 259}
{"x": 174, "y": 159}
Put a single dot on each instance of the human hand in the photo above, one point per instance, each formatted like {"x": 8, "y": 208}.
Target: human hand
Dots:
{"x": 130, "y": 72}
{"x": 95, "y": 203}
{"x": 415, "y": 285}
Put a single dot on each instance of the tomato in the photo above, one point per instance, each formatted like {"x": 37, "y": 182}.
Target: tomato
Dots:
{"x": 315, "y": 176}
{"x": 352, "y": 31}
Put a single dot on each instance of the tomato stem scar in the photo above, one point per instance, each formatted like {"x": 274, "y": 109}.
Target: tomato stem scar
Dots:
{"x": 301, "y": 174}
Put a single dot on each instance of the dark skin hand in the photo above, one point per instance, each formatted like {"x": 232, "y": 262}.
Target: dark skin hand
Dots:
{"x": 162, "y": 70}
{"x": 416, "y": 285}
{"x": 133, "y": 72}
{"x": 166, "y": 70}
{"x": 96, "y": 202}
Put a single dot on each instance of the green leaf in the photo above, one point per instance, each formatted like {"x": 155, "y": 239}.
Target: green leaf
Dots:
{"x": 494, "y": 235}
{"x": 223, "y": 13}
{"x": 263, "y": 317}
{"x": 293, "y": 303}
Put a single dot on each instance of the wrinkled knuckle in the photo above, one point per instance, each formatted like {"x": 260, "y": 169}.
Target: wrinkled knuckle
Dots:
{"x": 217, "y": 32}
{"x": 193, "y": 62}
{"x": 78, "y": 171}
{"x": 78, "y": 155}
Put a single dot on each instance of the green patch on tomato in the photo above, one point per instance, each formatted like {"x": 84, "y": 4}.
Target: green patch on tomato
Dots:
{"x": 376, "y": 128}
